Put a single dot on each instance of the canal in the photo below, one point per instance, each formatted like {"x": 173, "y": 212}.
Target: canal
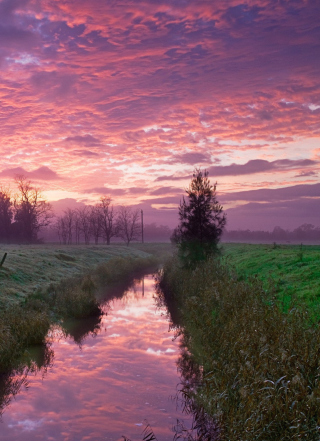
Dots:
{"x": 100, "y": 379}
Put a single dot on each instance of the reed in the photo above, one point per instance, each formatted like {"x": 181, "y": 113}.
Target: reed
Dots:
{"x": 259, "y": 366}
{"x": 20, "y": 327}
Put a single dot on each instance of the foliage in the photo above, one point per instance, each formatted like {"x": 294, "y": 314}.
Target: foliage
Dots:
{"x": 201, "y": 221}
{"x": 260, "y": 367}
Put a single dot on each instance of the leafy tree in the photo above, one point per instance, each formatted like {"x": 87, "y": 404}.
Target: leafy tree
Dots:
{"x": 201, "y": 221}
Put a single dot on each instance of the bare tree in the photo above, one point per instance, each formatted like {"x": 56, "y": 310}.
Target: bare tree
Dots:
{"x": 85, "y": 223}
{"x": 6, "y": 214}
{"x": 95, "y": 223}
{"x": 32, "y": 211}
{"x": 61, "y": 228}
{"x": 65, "y": 226}
{"x": 128, "y": 225}
{"x": 77, "y": 227}
{"x": 107, "y": 218}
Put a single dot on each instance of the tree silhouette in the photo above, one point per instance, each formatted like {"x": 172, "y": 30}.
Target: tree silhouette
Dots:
{"x": 201, "y": 221}
{"x": 6, "y": 215}
{"x": 32, "y": 211}
{"x": 107, "y": 218}
{"x": 128, "y": 225}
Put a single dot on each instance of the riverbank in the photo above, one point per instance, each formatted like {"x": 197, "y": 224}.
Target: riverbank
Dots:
{"x": 250, "y": 367}
{"x": 56, "y": 283}
{"x": 28, "y": 268}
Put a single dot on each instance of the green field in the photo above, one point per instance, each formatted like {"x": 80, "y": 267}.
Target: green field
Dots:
{"x": 292, "y": 270}
{"x": 31, "y": 267}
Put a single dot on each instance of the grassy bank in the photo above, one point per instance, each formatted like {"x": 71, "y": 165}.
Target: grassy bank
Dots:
{"x": 30, "y": 267}
{"x": 83, "y": 274}
{"x": 292, "y": 270}
{"x": 250, "y": 368}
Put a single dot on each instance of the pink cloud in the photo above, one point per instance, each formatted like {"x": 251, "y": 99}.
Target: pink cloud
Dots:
{"x": 42, "y": 173}
{"x": 153, "y": 89}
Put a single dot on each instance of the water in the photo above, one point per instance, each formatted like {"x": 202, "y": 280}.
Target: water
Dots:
{"x": 106, "y": 384}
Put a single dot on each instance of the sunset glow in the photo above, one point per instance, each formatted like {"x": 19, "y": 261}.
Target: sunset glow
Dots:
{"x": 126, "y": 98}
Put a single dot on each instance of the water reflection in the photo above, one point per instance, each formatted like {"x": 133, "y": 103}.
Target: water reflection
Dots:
{"x": 79, "y": 330}
{"x": 36, "y": 360}
{"x": 201, "y": 427}
{"x": 123, "y": 373}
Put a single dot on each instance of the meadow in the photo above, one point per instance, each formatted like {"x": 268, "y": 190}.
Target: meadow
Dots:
{"x": 291, "y": 271}
{"x": 29, "y": 268}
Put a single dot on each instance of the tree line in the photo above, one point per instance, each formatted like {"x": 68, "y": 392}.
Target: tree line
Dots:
{"x": 101, "y": 221}
{"x": 305, "y": 232}
{"x": 25, "y": 213}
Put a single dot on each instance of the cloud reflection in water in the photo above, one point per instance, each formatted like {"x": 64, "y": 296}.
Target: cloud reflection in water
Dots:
{"x": 106, "y": 386}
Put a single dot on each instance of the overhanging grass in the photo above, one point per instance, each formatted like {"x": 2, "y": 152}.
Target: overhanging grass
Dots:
{"x": 28, "y": 322}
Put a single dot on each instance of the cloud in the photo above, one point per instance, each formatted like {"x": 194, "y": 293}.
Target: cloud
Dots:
{"x": 61, "y": 205}
{"x": 251, "y": 167}
{"x": 260, "y": 166}
{"x": 304, "y": 174}
{"x": 42, "y": 173}
{"x": 87, "y": 153}
{"x": 165, "y": 190}
{"x": 152, "y": 88}
{"x": 172, "y": 178}
{"x": 105, "y": 191}
{"x": 294, "y": 192}
{"x": 265, "y": 216}
{"x": 87, "y": 140}
{"x": 192, "y": 158}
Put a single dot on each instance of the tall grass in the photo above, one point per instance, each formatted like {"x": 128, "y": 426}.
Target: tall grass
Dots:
{"x": 259, "y": 367}
{"x": 20, "y": 327}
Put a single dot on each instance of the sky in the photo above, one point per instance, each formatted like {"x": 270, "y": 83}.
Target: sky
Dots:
{"x": 125, "y": 98}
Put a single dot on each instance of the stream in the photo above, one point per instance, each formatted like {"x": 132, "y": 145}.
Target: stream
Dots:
{"x": 101, "y": 379}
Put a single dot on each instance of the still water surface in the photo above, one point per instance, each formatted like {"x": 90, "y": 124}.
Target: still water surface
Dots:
{"x": 107, "y": 384}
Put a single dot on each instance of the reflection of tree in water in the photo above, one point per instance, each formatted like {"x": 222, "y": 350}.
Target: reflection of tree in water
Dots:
{"x": 203, "y": 428}
{"x": 80, "y": 329}
{"x": 165, "y": 301}
{"x": 36, "y": 360}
